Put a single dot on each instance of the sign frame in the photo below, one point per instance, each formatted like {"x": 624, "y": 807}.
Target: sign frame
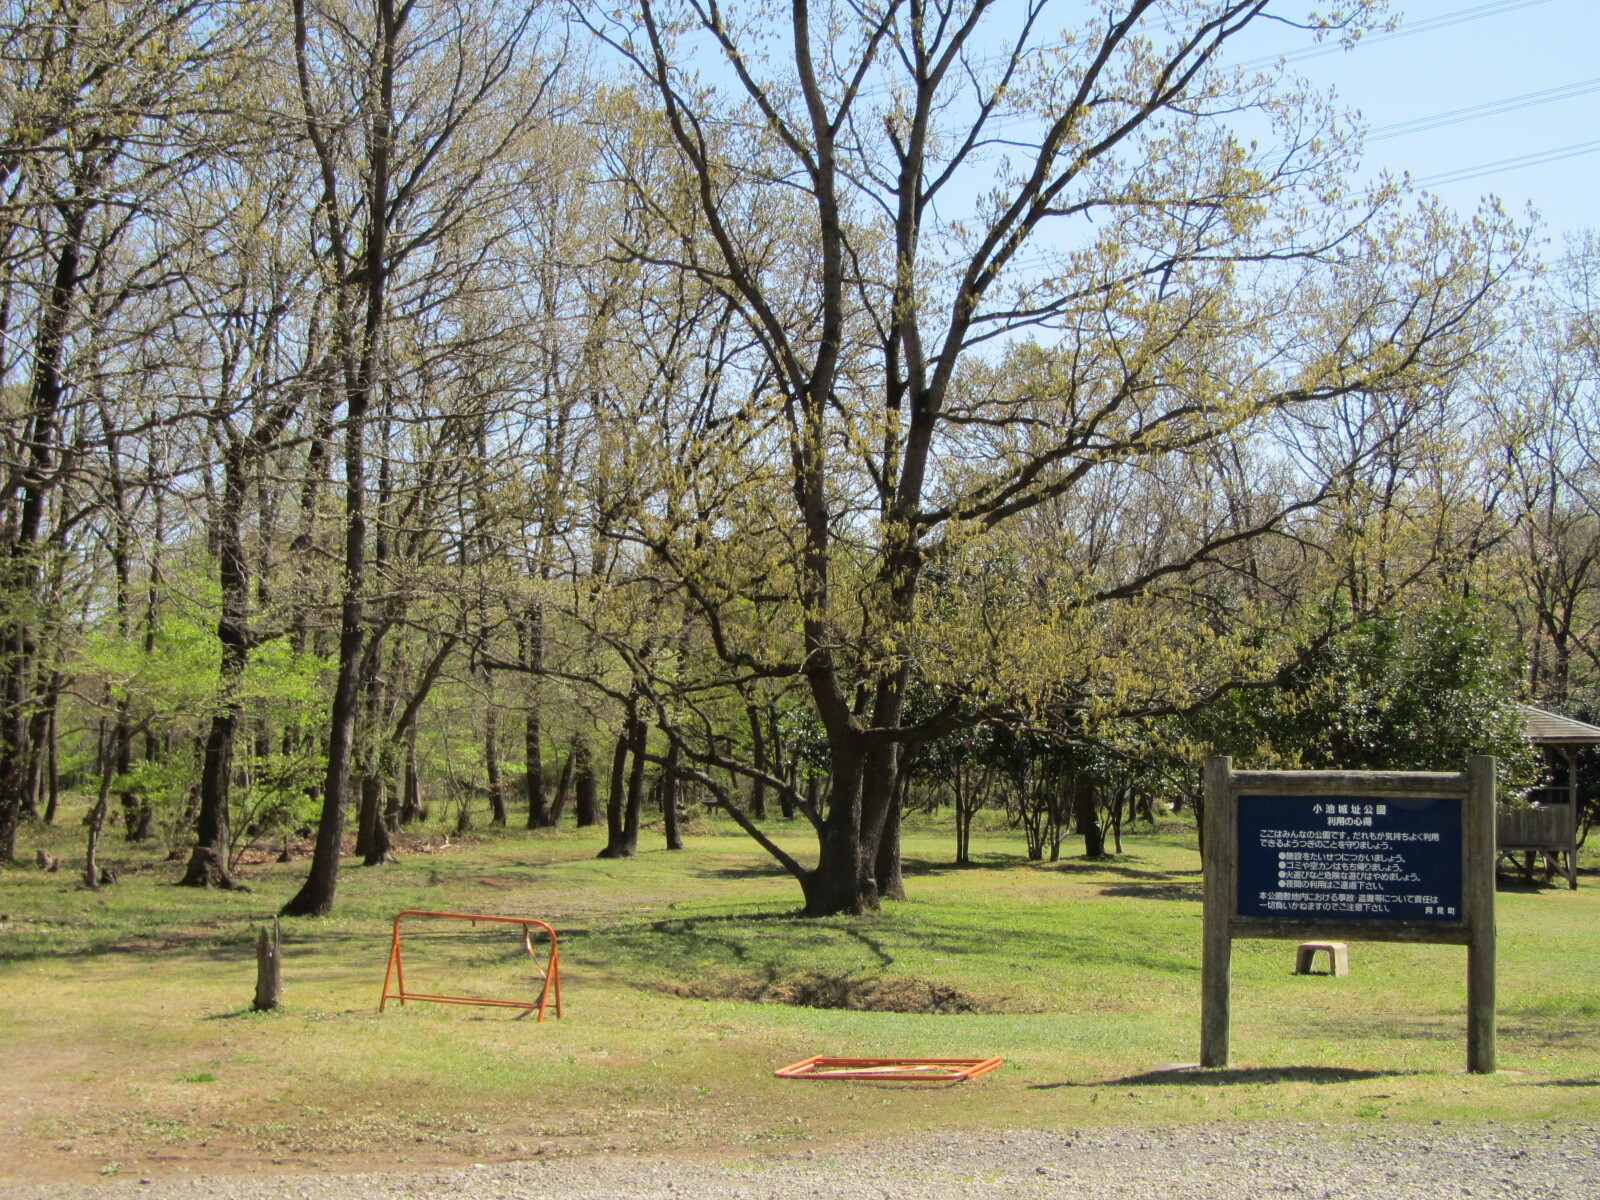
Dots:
{"x": 1474, "y": 787}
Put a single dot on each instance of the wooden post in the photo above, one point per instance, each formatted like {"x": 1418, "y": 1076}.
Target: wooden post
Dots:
{"x": 1480, "y": 841}
{"x": 1216, "y": 955}
{"x": 269, "y": 971}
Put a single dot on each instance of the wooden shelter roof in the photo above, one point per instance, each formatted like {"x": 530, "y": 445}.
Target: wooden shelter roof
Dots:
{"x": 1551, "y": 729}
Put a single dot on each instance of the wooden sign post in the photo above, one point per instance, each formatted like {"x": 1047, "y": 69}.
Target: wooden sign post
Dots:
{"x": 1398, "y": 856}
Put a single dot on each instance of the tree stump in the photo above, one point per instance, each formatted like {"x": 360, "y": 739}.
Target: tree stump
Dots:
{"x": 269, "y": 971}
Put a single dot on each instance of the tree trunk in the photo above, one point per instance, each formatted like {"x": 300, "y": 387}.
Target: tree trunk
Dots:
{"x": 370, "y": 795}
{"x": 53, "y": 781}
{"x": 966, "y": 790}
{"x": 563, "y": 784}
{"x": 382, "y": 848}
{"x": 370, "y": 807}
{"x": 208, "y": 864}
{"x": 539, "y": 815}
{"x": 669, "y": 800}
{"x": 775, "y": 753}
{"x": 409, "y": 806}
{"x": 627, "y": 794}
{"x": 372, "y": 837}
{"x": 42, "y": 777}
{"x": 96, "y": 821}
{"x": 1086, "y": 815}
{"x": 316, "y": 895}
{"x": 880, "y": 789}
{"x": 758, "y": 751}
{"x": 13, "y": 735}
{"x": 491, "y": 764}
{"x": 887, "y": 875}
{"x": 630, "y": 819}
{"x": 586, "y": 807}
{"x": 358, "y": 350}
{"x": 411, "y": 803}
{"x": 1058, "y": 807}
{"x": 154, "y": 746}
{"x": 130, "y": 799}
{"x": 391, "y": 806}
{"x": 614, "y": 800}
{"x": 19, "y": 571}
{"x": 835, "y": 885}
{"x": 37, "y": 722}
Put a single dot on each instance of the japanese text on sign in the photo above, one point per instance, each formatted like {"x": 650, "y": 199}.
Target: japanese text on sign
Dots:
{"x": 1349, "y": 857}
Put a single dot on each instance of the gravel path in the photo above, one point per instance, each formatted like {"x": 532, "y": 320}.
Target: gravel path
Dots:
{"x": 1198, "y": 1162}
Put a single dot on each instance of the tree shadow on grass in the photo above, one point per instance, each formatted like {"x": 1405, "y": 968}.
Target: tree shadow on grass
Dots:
{"x": 918, "y": 867}
{"x": 914, "y": 867}
{"x": 686, "y": 941}
{"x": 210, "y": 945}
{"x": 911, "y": 868}
{"x": 760, "y": 869}
{"x": 222, "y": 940}
{"x": 1230, "y": 1076}
{"x": 1154, "y": 891}
{"x": 949, "y": 937}
{"x": 1109, "y": 866}
{"x": 688, "y": 923}
{"x": 248, "y": 1012}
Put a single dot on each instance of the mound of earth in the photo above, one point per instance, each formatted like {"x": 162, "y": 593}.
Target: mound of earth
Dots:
{"x": 821, "y": 989}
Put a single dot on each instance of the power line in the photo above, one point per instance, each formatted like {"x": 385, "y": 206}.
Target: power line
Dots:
{"x": 1492, "y": 109}
{"x": 1511, "y": 164}
{"x": 1426, "y": 25}
{"x": 1454, "y": 116}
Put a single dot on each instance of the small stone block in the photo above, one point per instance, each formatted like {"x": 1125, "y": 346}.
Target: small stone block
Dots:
{"x": 1338, "y": 957}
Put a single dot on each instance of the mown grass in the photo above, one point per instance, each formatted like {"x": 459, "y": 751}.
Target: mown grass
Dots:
{"x": 129, "y": 1046}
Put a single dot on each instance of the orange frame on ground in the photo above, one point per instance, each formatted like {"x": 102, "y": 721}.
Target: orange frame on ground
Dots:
{"x": 551, "y": 973}
{"x": 822, "y": 1066}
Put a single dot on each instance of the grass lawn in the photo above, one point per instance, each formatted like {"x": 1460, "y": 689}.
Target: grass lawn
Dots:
{"x": 129, "y": 1047}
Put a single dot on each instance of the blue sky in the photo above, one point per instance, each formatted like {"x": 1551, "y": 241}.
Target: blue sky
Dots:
{"x": 1499, "y": 51}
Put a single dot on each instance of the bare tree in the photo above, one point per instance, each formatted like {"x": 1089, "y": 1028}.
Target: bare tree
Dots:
{"x": 111, "y": 106}
{"x": 416, "y": 117}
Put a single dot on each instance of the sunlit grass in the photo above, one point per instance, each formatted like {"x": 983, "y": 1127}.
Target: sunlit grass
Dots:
{"x": 124, "y": 1015}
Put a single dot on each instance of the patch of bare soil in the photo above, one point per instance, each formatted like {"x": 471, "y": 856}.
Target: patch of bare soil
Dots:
{"x": 822, "y": 989}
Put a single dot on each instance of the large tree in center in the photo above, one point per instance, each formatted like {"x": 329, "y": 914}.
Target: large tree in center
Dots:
{"x": 986, "y": 262}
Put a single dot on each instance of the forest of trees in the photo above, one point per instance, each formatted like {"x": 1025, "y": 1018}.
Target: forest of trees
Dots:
{"x": 523, "y": 412}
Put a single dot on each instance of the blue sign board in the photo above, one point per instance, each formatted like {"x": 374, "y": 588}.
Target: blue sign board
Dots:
{"x": 1350, "y": 858}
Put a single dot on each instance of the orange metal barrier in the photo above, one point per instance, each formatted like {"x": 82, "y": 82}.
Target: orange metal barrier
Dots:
{"x": 551, "y": 974}
{"x": 821, "y": 1066}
